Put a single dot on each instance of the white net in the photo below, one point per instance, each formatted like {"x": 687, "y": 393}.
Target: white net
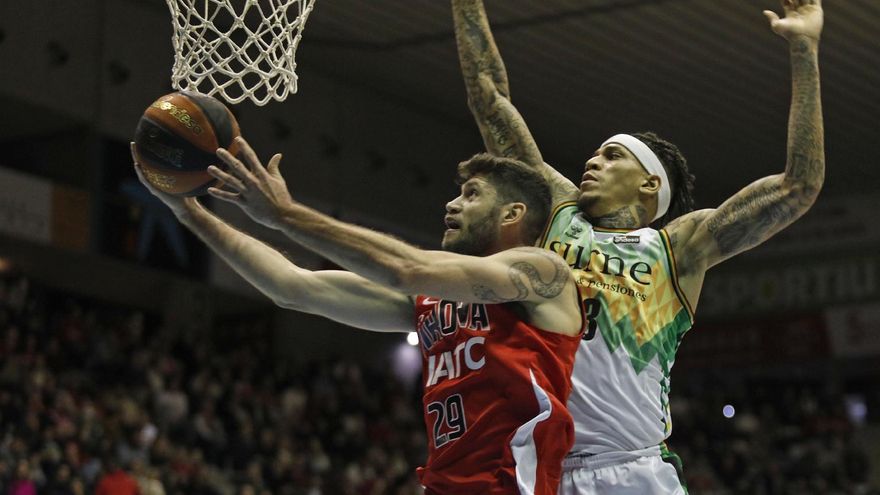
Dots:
{"x": 237, "y": 49}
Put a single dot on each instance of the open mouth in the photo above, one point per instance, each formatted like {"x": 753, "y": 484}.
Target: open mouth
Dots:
{"x": 452, "y": 223}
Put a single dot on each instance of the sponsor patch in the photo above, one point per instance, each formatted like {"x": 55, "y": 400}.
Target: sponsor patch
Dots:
{"x": 626, "y": 239}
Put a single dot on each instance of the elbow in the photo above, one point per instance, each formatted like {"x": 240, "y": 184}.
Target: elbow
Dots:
{"x": 286, "y": 302}
{"x": 404, "y": 277}
{"x": 813, "y": 190}
{"x": 806, "y": 192}
{"x": 477, "y": 104}
{"x": 293, "y": 292}
{"x": 484, "y": 94}
{"x": 804, "y": 187}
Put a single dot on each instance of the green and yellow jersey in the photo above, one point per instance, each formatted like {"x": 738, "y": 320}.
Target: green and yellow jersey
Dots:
{"x": 638, "y": 315}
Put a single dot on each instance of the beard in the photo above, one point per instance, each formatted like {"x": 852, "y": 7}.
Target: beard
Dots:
{"x": 476, "y": 238}
{"x": 585, "y": 202}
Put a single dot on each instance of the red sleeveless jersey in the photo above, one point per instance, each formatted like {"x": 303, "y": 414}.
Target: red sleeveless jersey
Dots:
{"x": 494, "y": 399}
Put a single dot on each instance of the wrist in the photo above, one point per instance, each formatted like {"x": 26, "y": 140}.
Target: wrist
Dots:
{"x": 799, "y": 42}
{"x": 187, "y": 211}
{"x": 289, "y": 213}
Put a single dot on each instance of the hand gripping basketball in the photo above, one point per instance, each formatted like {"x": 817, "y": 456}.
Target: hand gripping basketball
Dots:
{"x": 177, "y": 137}
{"x": 260, "y": 191}
{"x": 179, "y": 205}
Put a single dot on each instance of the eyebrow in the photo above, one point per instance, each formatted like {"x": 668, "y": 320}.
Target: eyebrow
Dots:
{"x": 614, "y": 146}
{"x": 475, "y": 181}
{"x": 469, "y": 184}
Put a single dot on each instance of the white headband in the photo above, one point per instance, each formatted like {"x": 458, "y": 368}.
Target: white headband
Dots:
{"x": 651, "y": 164}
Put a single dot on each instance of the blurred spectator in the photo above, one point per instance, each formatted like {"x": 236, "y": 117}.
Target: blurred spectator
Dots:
{"x": 115, "y": 481}
{"x": 88, "y": 388}
{"x": 147, "y": 479}
{"x": 22, "y": 483}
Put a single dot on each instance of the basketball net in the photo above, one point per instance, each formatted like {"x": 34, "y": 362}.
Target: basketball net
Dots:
{"x": 237, "y": 49}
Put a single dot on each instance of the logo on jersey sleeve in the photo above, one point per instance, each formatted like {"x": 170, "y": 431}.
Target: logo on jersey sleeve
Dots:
{"x": 574, "y": 230}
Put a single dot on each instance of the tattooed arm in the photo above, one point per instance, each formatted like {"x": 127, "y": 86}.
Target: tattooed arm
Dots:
{"x": 768, "y": 205}
{"x": 535, "y": 277}
{"x": 503, "y": 129}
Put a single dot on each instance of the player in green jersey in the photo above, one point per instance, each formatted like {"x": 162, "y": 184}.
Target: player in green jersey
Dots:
{"x": 640, "y": 253}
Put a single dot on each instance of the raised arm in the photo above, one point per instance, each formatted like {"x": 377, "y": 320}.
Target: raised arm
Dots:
{"x": 529, "y": 275}
{"x": 338, "y": 295}
{"x": 768, "y": 205}
{"x": 503, "y": 129}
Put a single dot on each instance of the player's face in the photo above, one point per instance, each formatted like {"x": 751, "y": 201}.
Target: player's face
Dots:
{"x": 472, "y": 219}
{"x": 611, "y": 181}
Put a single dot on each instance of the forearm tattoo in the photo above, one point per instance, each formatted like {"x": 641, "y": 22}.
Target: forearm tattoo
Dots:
{"x": 765, "y": 207}
{"x": 477, "y": 51}
{"x": 547, "y": 290}
{"x": 503, "y": 129}
{"x": 806, "y": 134}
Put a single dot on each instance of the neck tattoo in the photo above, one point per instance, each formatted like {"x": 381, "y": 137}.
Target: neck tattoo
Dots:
{"x": 628, "y": 217}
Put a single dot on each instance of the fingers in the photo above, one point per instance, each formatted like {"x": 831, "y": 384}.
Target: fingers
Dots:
{"x": 228, "y": 196}
{"x": 134, "y": 160}
{"x": 139, "y": 171}
{"x": 230, "y": 180}
{"x": 137, "y": 166}
{"x": 790, "y": 5}
{"x": 235, "y": 167}
{"x": 771, "y": 16}
{"x": 274, "y": 164}
{"x": 140, "y": 176}
{"x": 250, "y": 156}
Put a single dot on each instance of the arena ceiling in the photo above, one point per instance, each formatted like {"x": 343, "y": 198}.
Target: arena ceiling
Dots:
{"x": 708, "y": 75}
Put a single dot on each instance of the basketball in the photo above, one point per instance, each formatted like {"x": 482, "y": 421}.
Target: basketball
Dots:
{"x": 177, "y": 138}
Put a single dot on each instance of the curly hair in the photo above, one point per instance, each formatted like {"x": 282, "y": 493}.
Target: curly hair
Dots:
{"x": 680, "y": 178}
{"x": 515, "y": 182}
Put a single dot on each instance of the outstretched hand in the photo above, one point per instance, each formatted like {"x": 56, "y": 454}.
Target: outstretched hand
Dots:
{"x": 260, "y": 191}
{"x": 802, "y": 18}
{"x": 179, "y": 205}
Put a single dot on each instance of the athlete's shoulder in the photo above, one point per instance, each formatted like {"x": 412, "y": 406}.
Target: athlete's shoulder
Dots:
{"x": 565, "y": 209}
{"x": 563, "y": 216}
{"x": 683, "y": 228}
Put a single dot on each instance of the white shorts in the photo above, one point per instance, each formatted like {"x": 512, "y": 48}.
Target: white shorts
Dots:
{"x": 643, "y": 476}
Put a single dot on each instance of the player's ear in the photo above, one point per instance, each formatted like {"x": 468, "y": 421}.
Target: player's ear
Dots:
{"x": 651, "y": 185}
{"x": 513, "y": 212}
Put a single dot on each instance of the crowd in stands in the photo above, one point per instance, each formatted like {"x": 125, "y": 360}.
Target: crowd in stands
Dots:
{"x": 762, "y": 437}
{"x": 97, "y": 398}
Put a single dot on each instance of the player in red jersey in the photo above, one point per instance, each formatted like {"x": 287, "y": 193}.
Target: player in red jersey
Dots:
{"x": 498, "y": 333}
{"x": 493, "y": 384}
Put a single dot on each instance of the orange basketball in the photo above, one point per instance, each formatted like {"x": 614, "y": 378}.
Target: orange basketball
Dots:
{"x": 177, "y": 139}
